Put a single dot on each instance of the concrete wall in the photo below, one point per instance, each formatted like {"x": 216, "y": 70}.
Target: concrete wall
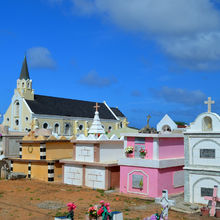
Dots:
{"x": 171, "y": 148}
{"x": 85, "y": 152}
{"x": 39, "y": 171}
{"x": 31, "y": 151}
{"x": 95, "y": 177}
{"x": 59, "y": 150}
{"x": 111, "y": 152}
{"x": 73, "y": 174}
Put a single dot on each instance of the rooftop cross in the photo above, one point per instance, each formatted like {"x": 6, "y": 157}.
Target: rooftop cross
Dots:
{"x": 209, "y": 103}
{"x": 96, "y": 106}
{"x": 148, "y": 119}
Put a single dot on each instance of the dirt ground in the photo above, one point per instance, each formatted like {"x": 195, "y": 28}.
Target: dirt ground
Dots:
{"x": 19, "y": 199}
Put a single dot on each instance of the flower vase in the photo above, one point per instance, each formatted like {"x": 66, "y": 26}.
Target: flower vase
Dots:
{"x": 129, "y": 155}
{"x": 142, "y": 156}
{"x": 205, "y": 211}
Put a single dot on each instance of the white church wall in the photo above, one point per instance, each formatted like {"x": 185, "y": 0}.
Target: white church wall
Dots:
{"x": 200, "y": 183}
{"x": 111, "y": 152}
{"x": 204, "y": 151}
{"x": 85, "y": 152}
{"x": 95, "y": 177}
{"x": 73, "y": 174}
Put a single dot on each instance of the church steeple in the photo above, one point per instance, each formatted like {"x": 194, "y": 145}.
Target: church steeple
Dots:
{"x": 24, "y": 70}
{"x": 24, "y": 83}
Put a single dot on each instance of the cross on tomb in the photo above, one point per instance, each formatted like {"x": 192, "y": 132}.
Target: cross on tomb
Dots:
{"x": 166, "y": 203}
{"x": 96, "y": 106}
{"x": 209, "y": 103}
{"x": 148, "y": 119}
{"x": 214, "y": 199}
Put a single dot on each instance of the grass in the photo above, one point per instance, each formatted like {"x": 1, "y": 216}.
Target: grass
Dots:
{"x": 59, "y": 214}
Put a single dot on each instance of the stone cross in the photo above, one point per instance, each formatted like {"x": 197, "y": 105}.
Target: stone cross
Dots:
{"x": 166, "y": 203}
{"x": 209, "y": 103}
{"x": 96, "y": 107}
{"x": 214, "y": 200}
{"x": 148, "y": 119}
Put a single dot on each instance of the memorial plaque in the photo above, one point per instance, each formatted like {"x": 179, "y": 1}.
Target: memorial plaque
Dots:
{"x": 206, "y": 191}
{"x": 137, "y": 149}
{"x": 139, "y": 140}
{"x": 207, "y": 153}
{"x": 136, "y": 179}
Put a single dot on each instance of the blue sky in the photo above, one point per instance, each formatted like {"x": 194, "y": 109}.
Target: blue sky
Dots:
{"x": 146, "y": 57}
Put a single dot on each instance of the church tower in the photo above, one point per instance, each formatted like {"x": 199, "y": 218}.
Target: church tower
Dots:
{"x": 24, "y": 83}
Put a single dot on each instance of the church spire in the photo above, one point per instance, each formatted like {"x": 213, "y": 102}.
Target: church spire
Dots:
{"x": 24, "y": 70}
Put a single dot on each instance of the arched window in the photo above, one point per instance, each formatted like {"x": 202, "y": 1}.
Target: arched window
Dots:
{"x": 67, "y": 129}
{"x": 166, "y": 128}
{"x": 23, "y": 85}
{"x": 207, "y": 124}
{"x": 45, "y": 125}
{"x": 16, "y": 122}
{"x": 109, "y": 128}
{"x": 56, "y": 128}
{"x": 121, "y": 124}
{"x": 81, "y": 127}
{"x": 16, "y": 108}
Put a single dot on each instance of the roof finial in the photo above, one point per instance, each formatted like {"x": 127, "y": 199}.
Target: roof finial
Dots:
{"x": 209, "y": 103}
{"x": 96, "y": 106}
{"x": 24, "y": 70}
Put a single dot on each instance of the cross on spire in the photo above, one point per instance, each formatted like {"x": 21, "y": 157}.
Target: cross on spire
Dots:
{"x": 209, "y": 103}
{"x": 96, "y": 106}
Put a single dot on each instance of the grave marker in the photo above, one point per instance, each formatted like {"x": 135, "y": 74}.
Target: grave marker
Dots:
{"x": 165, "y": 202}
{"x": 214, "y": 199}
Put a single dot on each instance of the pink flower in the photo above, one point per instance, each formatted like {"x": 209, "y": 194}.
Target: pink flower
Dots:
{"x": 102, "y": 202}
{"x": 71, "y": 206}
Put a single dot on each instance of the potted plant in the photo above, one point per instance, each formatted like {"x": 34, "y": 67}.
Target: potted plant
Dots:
{"x": 129, "y": 150}
{"x": 143, "y": 153}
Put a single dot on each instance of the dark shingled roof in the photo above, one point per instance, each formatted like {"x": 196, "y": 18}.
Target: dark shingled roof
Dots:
{"x": 24, "y": 70}
{"x": 48, "y": 105}
{"x": 117, "y": 112}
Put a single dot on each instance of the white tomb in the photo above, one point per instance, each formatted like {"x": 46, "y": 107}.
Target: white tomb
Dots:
{"x": 202, "y": 156}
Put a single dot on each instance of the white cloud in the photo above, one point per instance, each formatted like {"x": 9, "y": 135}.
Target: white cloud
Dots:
{"x": 188, "y": 31}
{"x": 177, "y": 95}
{"x": 40, "y": 57}
{"x": 95, "y": 80}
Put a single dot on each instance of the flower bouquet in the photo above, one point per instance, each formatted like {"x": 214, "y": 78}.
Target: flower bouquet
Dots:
{"x": 71, "y": 208}
{"x": 129, "y": 149}
{"x": 105, "y": 211}
{"x": 93, "y": 212}
{"x": 142, "y": 152}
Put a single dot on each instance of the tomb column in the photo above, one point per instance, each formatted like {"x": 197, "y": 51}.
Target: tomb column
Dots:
{"x": 96, "y": 152}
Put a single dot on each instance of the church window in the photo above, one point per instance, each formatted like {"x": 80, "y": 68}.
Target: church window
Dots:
{"x": 45, "y": 125}
{"x": 109, "y": 128}
{"x": 16, "y": 111}
{"x": 7, "y": 119}
{"x": 26, "y": 118}
{"x": 23, "y": 85}
{"x": 67, "y": 129}
{"x": 80, "y": 127}
{"x": 28, "y": 85}
{"x": 56, "y": 128}
{"x": 121, "y": 124}
{"x": 16, "y": 122}
{"x": 166, "y": 128}
{"x": 207, "y": 124}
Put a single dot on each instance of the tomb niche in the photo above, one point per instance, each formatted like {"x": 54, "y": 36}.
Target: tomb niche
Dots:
{"x": 207, "y": 124}
{"x": 166, "y": 128}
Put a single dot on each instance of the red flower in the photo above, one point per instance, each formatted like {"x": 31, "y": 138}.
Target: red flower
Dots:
{"x": 71, "y": 206}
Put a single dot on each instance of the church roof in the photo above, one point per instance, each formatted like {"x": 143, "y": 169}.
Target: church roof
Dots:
{"x": 24, "y": 70}
{"x": 48, "y": 105}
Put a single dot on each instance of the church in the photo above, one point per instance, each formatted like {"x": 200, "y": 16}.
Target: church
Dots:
{"x": 63, "y": 116}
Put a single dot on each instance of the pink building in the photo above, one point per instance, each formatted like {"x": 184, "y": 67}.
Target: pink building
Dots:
{"x": 161, "y": 167}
